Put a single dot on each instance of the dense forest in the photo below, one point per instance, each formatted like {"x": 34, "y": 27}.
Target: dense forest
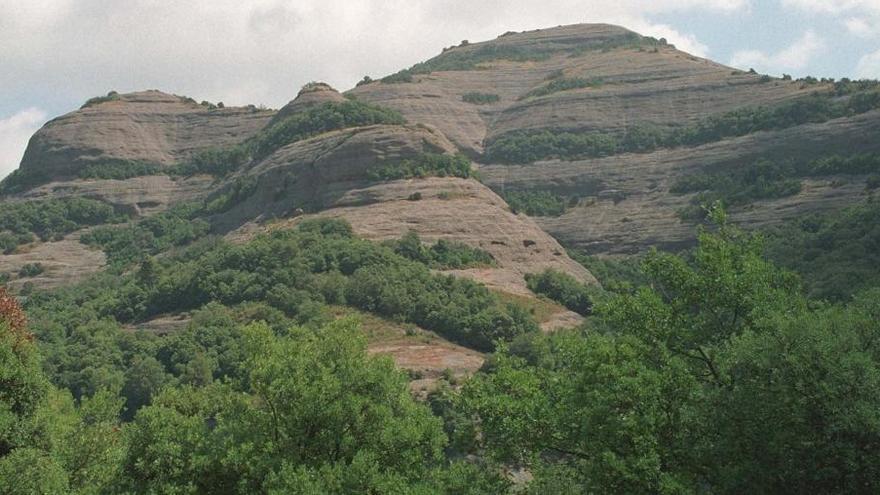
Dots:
{"x": 709, "y": 371}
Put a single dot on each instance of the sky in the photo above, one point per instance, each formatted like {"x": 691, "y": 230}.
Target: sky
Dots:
{"x": 55, "y": 54}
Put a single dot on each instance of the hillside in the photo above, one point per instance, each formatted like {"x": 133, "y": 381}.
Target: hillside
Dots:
{"x": 618, "y": 97}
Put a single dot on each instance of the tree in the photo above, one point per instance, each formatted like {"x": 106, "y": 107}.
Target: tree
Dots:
{"x": 599, "y": 414}
{"x": 562, "y": 288}
{"x": 23, "y": 386}
{"x": 317, "y": 412}
{"x": 718, "y": 376}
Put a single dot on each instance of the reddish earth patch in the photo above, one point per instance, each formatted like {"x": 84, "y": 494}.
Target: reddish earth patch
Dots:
{"x": 430, "y": 359}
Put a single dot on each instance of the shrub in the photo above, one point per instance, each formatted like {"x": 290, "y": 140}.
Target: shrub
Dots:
{"x": 231, "y": 195}
{"x": 470, "y": 56}
{"x": 562, "y": 288}
{"x": 22, "y": 179}
{"x": 111, "y": 96}
{"x": 214, "y": 161}
{"x": 480, "y": 98}
{"x": 765, "y": 179}
{"x": 536, "y": 203}
{"x": 297, "y": 271}
{"x": 30, "y": 270}
{"x": 563, "y": 84}
{"x": 863, "y": 163}
{"x": 327, "y": 227}
{"x": 118, "y": 169}
{"x": 423, "y": 165}
{"x": 534, "y": 145}
{"x": 124, "y": 244}
{"x": 531, "y": 146}
{"x": 404, "y": 76}
{"x": 835, "y": 253}
{"x": 442, "y": 255}
{"x": 50, "y": 218}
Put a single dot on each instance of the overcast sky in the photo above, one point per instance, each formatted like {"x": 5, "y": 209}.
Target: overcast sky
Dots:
{"x": 55, "y": 54}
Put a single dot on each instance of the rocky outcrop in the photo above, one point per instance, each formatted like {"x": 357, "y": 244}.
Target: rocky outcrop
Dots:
{"x": 149, "y": 126}
{"x": 310, "y": 96}
{"x": 313, "y": 174}
{"x": 328, "y": 175}
{"x": 139, "y": 196}
{"x": 464, "y": 211}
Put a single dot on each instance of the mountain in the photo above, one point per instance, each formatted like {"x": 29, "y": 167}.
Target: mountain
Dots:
{"x": 608, "y": 82}
{"x": 604, "y": 139}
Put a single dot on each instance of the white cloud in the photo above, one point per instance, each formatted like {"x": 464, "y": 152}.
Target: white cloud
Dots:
{"x": 262, "y": 51}
{"x": 833, "y": 6}
{"x": 794, "y": 57}
{"x": 862, "y": 16}
{"x": 869, "y": 66}
{"x": 685, "y": 42}
{"x": 861, "y": 27}
{"x": 15, "y": 131}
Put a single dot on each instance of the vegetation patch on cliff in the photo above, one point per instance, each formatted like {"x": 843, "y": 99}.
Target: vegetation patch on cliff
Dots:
{"x": 442, "y": 255}
{"x": 50, "y": 219}
{"x": 534, "y": 145}
{"x": 423, "y": 165}
{"x": 836, "y": 253}
{"x": 538, "y": 203}
{"x": 469, "y": 57}
{"x": 563, "y": 84}
{"x": 326, "y": 117}
{"x": 480, "y": 98}
{"x": 764, "y": 179}
{"x": 562, "y": 288}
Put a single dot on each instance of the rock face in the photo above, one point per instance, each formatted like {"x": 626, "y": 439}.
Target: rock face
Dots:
{"x": 140, "y": 196}
{"x": 460, "y": 210}
{"x": 626, "y": 206}
{"x": 149, "y": 126}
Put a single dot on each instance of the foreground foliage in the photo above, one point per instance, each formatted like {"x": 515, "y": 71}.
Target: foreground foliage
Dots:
{"x": 718, "y": 376}
{"x": 314, "y": 414}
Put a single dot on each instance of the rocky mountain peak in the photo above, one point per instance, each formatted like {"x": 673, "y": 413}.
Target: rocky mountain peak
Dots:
{"x": 148, "y": 127}
{"x": 312, "y": 94}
